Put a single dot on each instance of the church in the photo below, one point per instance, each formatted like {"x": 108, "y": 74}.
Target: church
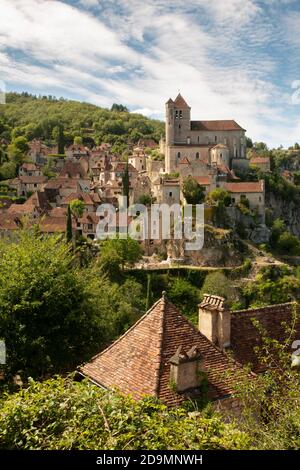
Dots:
{"x": 196, "y": 147}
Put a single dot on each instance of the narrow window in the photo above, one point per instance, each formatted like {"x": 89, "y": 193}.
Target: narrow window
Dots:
{"x": 197, "y": 155}
{"x": 178, "y": 155}
{"x": 170, "y": 194}
{"x": 216, "y": 138}
{"x": 180, "y": 114}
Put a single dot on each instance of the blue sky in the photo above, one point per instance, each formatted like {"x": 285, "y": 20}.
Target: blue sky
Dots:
{"x": 230, "y": 59}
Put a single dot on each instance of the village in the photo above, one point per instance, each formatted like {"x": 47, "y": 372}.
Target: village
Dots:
{"x": 206, "y": 152}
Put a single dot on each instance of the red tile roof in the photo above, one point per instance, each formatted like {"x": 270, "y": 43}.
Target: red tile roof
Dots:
{"x": 245, "y": 336}
{"x": 138, "y": 362}
{"x": 223, "y": 125}
{"x": 203, "y": 180}
{"x": 73, "y": 170}
{"x": 245, "y": 187}
{"x": 33, "y": 179}
{"x": 259, "y": 160}
{"x": 180, "y": 102}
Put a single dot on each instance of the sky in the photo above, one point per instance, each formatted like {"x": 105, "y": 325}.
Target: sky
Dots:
{"x": 230, "y": 59}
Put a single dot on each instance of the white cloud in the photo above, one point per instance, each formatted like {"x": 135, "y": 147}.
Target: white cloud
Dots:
{"x": 141, "y": 53}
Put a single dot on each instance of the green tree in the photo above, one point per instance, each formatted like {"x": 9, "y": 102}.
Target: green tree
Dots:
{"x": 117, "y": 252}
{"x": 119, "y": 108}
{"x": 216, "y": 283}
{"x": 61, "y": 414}
{"x": 61, "y": 140}
{"x": 69, "y": 231}
{"x": 77, "y": 208}
{"x": 77, "y": 140}
{"x": 50, "y": 315}
{"x": 126, "y": 183}
{"x": 149, "y": 298}
{"x": 192, "y": 191}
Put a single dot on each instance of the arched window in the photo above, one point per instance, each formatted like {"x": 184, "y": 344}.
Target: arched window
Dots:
{"x": 178, "y": 155}
{"x": 176, "y": 114}
{"x": 180, "y": 114}
{"x": 197, "y": 155}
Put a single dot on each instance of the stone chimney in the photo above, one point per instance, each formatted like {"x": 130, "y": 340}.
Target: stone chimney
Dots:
{"x": 214, "y": 320}
{"x": 185, "y": 372}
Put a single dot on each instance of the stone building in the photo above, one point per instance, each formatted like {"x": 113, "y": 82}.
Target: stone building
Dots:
{"x": 216, "y": 142}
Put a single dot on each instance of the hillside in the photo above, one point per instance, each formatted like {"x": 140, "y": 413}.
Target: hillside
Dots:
{"x": 38, "y": 117}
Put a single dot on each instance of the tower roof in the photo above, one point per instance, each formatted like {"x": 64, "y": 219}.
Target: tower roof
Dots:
{"x": 170, "y": 101}
{"x": 138, "y": 363}
{"x": 180, "y": 102}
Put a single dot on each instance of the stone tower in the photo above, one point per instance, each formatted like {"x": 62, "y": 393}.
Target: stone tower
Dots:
{"x": 178, "y": 126}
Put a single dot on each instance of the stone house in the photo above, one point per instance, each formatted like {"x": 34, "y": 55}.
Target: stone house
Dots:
{"x": 138, "y": 159}
{"x": 30, "y": 169}
{"x": 28, "y": 184}
{"x": 263, "y": 163}
{"x": 254, "y": 192}
{"x": 166, "y": 191}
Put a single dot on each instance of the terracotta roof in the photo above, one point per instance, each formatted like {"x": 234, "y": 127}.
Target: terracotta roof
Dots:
{"x": 85, "y": 197}
{"x": 138, "y": 362}
{"x": 8, "y": 221}
{"x": 29, "y": 166}
{"x": 203, "y": 180}
{"x": 72, "y": 169}
{"x": 54, "y": 224}
{"x": 180, "y": 102}
{"x": 245, "y": 187}
{"x": 223, "y": 125}
{"x": 122, "y": 165}
{"x": 260, "y": 160}
{"x": 33, "y": 179}
{"x": 245, "y": 336}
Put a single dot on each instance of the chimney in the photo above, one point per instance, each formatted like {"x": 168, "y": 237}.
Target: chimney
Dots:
{"x": 214, "y": 320}
{"x": 185, "y": 372}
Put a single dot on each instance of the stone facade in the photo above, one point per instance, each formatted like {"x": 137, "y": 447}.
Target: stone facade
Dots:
{"x": 196, "y": 139}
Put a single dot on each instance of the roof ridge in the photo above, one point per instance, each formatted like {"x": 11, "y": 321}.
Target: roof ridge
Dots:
{"x": 263, "y": 307}
{"x": 126, "y": 332}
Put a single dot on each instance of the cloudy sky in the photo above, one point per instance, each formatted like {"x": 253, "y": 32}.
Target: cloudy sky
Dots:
{"x": 231, "y": 59}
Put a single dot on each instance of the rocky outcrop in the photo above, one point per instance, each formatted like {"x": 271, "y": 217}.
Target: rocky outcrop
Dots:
{"x": 285, "y": 209}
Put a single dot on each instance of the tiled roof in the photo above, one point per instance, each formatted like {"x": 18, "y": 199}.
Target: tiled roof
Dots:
{"x": 223, "y": 125}
{"x": 180, "y": 102}
{"x": 203, "y": 180}
{"x": 72, "y": 169}
{"x": 258, "y": 160}
{"x": 8, "y": 221}
{"x": 245, "y": 336}
{"x": 29, "y": 166}
{"x": 245, "y": 187}
{"x": 138, "y": 362}
{"x": 33, "y": 179}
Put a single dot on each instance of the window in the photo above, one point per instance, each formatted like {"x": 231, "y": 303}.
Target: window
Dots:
{"x": 225, "y": 141}
{"x": 216, "y": 138}
{"x": 178, "y": 155}
{"x": 176, "y": 114}
{"x": 198, "y": 138}
{"x": 259, "y": 198}
{"x": 180, "y": 114}
{"x": 179, "y": 126}
{"x": 188, "y": 140}
{"x": 170, "y": 194}
{"x": 35, "y": 185}
{"x": 197, "y": 155}
{"x": 78, "y": 224}
{"x": 90, "y": 226}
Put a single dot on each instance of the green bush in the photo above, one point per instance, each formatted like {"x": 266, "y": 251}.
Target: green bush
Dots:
{"x": 60, "y": 414}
